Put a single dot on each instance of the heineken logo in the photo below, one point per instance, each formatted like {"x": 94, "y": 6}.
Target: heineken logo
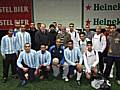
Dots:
{"x": 97, "y": 21}
{"x": 106, "y": 7}
{"x": 102, "y": 18}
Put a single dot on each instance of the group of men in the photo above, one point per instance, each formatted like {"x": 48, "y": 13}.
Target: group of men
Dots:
{"x": 34, "y": 53}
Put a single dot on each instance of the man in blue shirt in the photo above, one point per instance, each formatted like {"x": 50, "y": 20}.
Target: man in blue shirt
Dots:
{"x": 26, "y": 64}
{"x": 43, "y": 59}
{"x": 57, "y": 51}
{"x": 8, "y": 51}
{"x": 22, "y": 37}
{"x": 74, "y": 59}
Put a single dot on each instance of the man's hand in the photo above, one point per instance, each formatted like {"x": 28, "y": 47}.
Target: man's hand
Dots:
{"x": 37, "y": 72}
{"x": 25, "y": 69}
{"x": 79, "y": 67}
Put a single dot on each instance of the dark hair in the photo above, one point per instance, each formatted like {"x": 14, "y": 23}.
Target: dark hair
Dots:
{"x": 43, "y": 44}
{"x": 70, "y": 41}
{"x": 113, "y": 25}
{"x": 89, "y": 42}
{"x": 27, "y": 43}
{"x": 82, "y": 33}
{"x": 71, "y": 24}
{"x": 51, "y": 25}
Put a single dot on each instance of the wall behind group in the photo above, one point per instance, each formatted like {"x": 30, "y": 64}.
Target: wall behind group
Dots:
{"x": 61, "y": 11}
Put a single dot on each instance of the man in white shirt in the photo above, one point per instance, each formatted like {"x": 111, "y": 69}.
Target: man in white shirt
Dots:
{"x": 99, "y": 44}
{"x": 91, "y": 59}
{"x": 74, "y": 35}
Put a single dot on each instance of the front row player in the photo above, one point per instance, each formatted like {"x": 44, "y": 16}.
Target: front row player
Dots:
{"x": 91, "y": 59}
{"x": 74, "y": 59}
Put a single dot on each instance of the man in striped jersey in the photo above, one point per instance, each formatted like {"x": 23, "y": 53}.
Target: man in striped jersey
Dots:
{"x": 22, "y": 37}
{"x": 43, "y": 62}
{"x": 26, "y": 64}
{"x": 8, "y": 51}
{"x": 73, "y": 57}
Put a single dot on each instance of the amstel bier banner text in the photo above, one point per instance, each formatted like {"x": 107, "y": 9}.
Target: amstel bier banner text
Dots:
{"x": 12, "y": 11}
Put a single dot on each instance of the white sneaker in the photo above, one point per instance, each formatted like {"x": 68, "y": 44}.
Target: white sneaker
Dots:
{"x": 118, "y": 81}
{"x": 111, "y": 76}
{"x": 66, "y": 79}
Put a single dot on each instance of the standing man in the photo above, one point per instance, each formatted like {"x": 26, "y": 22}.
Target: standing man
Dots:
{"x": 41, "y": 36}
{"x": 8, "y": 51}
{"x": 52, "y": 35}
{"x": 113, "y": 53}
{"x": 89, "y": 34}
{"x": 74, "y": 59}
{"x": 74, "y": 35}
{"x": 32, "y": 32}
{"x": 99, "y": 44}
{"x": 63, "y": 36}
{"x": 16, "y": 28}
{"x": 22, "y": 38}
{"x": 26, "y": 64}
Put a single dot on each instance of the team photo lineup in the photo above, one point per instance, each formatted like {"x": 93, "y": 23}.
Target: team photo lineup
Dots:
{"x": 62, "y": 51}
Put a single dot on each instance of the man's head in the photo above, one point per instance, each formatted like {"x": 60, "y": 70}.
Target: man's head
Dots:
{"x": 10, "y": 32}
{"x": 63, "y": 29}
{"x": 70, "y": 44}
{"x": 87, "y": 28}
{"x": 23, "y": 28}
{"x": 32, "y": 25}
{"x": 59, "y": 26}
{"x": 98, "y": 29}
{"x": 89, "y": 45}
{"x": 43, "y": 48}
{"x": 42, "y": 27}
{"x": 107, "y": 28}
{"x": 112, "y": 28}
{"x": 58, "y": 42}
{"x": 71, "y": 26}
{"x": 17, "y": 25}
{"x": 51, "y": 27}
{"x": 55, "y": 24}
{"x": 27, "y": 47}
{"x": 82, "y": 36}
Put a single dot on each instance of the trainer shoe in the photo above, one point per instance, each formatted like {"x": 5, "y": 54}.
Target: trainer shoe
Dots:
{"x": 118, "y": 82}
{"x": 111, "y": 76}
{"x": 65, "y": 78}
{"x": 78, "y": 82}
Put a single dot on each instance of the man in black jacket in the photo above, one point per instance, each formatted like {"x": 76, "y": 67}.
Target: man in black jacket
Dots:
{"x": 41, "y": 36}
